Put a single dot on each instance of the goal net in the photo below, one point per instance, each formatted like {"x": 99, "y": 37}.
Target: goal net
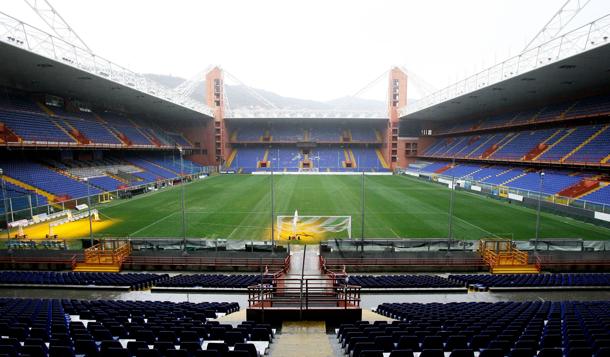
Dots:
{"x": 297, "y": 227}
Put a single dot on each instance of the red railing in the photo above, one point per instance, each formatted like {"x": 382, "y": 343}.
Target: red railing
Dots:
{"x": 304, "y": 294}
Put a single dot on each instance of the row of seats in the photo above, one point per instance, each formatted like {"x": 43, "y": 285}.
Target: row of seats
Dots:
{"x": 402, "y": 281}
{"x": 133, "y": 280}
{"x": 315, "y": 133}
{"x": 47, "y": 179}
{"x": 534, "y": 280}
{"x": 68, "y": 328}
{"x": 323, "y": 158}
{"x": 212, "y": 280}
{"x": 579, "y": 144}
{"x": 569, "y": 109}
{"x": 29, "y": 122}
{"x": 141, "y": 280}
{"x": 515, "y": 177}
{"x": 524, "y": 329}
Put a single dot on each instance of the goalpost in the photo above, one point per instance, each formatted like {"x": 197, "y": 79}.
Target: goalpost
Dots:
{"x": 312, "y": 227}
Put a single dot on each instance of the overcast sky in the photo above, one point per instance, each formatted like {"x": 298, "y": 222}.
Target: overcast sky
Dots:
{"x": 311, "y": 49}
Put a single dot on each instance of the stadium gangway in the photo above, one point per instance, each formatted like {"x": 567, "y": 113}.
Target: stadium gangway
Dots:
{"x": 304, "y": 294}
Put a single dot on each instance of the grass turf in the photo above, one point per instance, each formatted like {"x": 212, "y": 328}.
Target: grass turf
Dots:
{"x": 239, "y": 207}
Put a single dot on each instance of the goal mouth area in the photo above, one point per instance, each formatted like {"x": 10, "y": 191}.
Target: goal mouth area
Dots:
{"x": 311, "y": 229}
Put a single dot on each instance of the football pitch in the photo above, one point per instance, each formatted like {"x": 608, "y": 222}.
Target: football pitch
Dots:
{"x": 239, "y": 207}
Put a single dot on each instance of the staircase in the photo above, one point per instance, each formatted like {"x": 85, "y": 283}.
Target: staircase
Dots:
{"x": 596, "y": 134}
{"x": 443, "y": 169}
{"x": 352, "y": 157}
{"x": 347, "y": 162}
{"x": 503, "y": 257}
{"x": 480, "y": 146}
{"x": 513, "y": 179}
{"x": 231, "y": 157}
{"x": 378, "y": 136}
{"x": 73, "y": 132}
{"x": 579, "y": 189}
{"x": 60, "y": 127}
{"x": 568, "y": 132}
{"x": 106, "y": 256}
{"x": 499, "y": 145}
{"x": 122, "y": 137}
{"x": 7, "y": 135}
{"x": 264, "y": 162}
{"x": 540, "y": 148}
{"x": 597, "y": 188}
{"x": 384, "y": 164}
{"x": 605, "y": 160}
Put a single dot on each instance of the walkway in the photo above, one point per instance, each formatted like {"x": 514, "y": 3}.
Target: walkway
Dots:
{"x": 302, "y": 339}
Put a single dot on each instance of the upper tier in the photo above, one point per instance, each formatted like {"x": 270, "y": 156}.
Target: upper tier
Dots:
{"x": 25, "y": 122}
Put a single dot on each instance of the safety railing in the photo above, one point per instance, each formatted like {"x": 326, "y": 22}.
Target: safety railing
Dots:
{"x": 108, "y": 252}
{"x": 304, "y": 294}
{"x": 456, "y": 262}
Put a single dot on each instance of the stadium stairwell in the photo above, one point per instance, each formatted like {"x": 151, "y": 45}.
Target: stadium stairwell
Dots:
{"x": 264, "y": 162}
{"x": 50, "y": 197}
{"x": 596, "y": 134}
{"x": 443, "y": 169}
{"x": 346, "y": 159}
{"x": 352, "y": 158}
{"x": 7, "y": 135}
{"x": 480, "y": 146}
{"x": 75, "y": 133}
{"x": 45, "y": 109}
{"x": 606, "y": 159}
{"x": 579, "y": 189}
{"x": 384, "y": 164}
{"x": 491, "y": 151}
{"x": 110, "y": 129}
{"x": 594, "y": 189}
{"x": 231, "y": 157}
{"x": 540, "y": 148}
{"x": 106, "y": 256}
{"x": 60, "y": 127}
{"x": 549, "y": 147}
{"x": 513, "y": 179}
{"x": 122, "y": 137}
{"x": 378, "y": 136}
{"x": 503, "y": 257}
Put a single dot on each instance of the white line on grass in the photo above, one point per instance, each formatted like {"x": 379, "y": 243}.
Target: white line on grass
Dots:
{"x": 152, "y": 224}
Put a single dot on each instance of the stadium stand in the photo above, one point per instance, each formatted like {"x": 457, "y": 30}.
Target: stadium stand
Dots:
{"x": 84, "y": 279}
{"x": 401, "y": 281}
{"x": 60, "y": 328}
{"x": 23, "y": 120}
{"x": 212, "y": 281}
{"x": 46, "y": 179}
{"x": 571, "y": 328}
{"x": 534, "y": 280}
{"x": 517, "y": 178}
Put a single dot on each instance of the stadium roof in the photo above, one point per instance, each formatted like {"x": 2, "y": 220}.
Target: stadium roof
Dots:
{"x": 574, "y": 63}
{"x": 35, "y": 60}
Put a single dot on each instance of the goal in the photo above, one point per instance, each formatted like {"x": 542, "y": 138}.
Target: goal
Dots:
{"x": 313, "y": 227}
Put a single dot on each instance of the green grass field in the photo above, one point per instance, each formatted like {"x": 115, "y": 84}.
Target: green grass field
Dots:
{"x": 239, "y": 207}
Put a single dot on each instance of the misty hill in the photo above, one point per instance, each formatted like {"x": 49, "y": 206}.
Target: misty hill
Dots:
{"x": 242, "y": 97}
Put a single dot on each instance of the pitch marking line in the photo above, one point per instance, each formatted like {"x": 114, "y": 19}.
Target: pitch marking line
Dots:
{"x": 152, "y": 224}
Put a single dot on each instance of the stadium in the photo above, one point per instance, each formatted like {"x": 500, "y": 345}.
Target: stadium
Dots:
{"x": 146, "y": 215}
